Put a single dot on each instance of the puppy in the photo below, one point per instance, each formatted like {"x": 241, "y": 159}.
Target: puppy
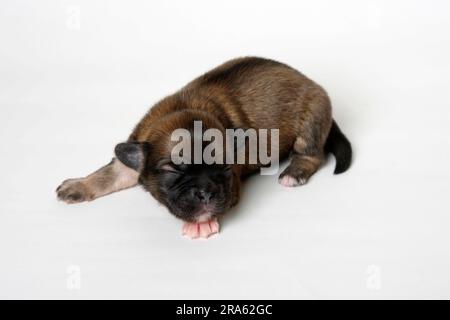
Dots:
{"x": 245, "y": 93}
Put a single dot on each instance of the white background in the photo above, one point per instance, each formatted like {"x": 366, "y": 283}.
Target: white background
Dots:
{"x": 71, "y": 89}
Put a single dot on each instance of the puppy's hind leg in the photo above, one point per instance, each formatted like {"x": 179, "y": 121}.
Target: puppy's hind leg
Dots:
{"x": 304, "y": 163}
{"x": 308, "y": 149}
{"x": 111, "y": 178}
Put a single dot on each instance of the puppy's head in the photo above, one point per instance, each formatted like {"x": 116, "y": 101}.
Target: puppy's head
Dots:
{"x": 192, "y": 192}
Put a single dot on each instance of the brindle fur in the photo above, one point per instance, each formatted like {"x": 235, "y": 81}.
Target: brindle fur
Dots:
{"x": 242, "y": 93}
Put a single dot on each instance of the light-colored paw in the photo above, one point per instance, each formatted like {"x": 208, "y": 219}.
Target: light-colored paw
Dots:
{"x": 201, "y": 229}
{"x": 289, "y": 181}
{"x": 73, "y": 191}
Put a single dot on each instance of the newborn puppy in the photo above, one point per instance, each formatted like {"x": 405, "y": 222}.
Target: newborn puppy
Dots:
{"x": 245, "y": 93}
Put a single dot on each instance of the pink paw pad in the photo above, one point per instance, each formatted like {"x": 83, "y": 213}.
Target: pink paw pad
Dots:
{"x": 288, "y": 181}
{"x": 201, "y": 229}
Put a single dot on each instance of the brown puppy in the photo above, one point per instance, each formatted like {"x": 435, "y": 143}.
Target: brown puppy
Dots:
{"x": 240, "y": 94}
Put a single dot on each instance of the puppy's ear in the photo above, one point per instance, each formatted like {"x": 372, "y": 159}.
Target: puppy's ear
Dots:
{"x": 133, "y": 154}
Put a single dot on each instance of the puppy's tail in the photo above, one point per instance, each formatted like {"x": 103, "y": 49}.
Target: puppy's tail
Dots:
{"x": 338, "y": 144}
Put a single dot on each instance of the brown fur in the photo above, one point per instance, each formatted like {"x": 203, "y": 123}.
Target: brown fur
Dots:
{"x": 247, "y": 93}
{"x": 242, "y": 93}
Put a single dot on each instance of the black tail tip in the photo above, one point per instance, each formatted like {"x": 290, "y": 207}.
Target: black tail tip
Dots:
{"x": 338, "y": 144}
{"x": 341, "y": 167}
{"x": 343, "y": 156}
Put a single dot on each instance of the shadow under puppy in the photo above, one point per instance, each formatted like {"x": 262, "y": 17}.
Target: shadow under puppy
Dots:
{"x": 240, "y": 94}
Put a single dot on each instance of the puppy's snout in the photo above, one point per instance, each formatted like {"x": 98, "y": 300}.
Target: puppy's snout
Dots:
{"x": 204, "y": 196}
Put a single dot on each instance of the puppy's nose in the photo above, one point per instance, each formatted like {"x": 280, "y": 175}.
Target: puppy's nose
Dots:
{"x": 204, "y": 196}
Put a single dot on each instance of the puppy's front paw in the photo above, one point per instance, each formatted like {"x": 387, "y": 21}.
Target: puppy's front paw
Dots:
{"x": 73, "y": 191}
{"x": 201, "y": 229}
